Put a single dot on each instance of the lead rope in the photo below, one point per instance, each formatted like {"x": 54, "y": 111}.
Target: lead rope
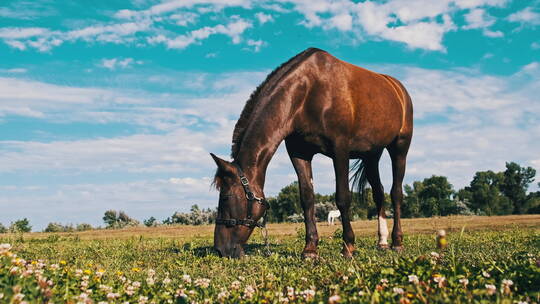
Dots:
{"x": 264, "y": 233}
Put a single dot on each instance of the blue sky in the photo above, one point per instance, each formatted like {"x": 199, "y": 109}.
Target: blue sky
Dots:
{"x": 116, "y": 106}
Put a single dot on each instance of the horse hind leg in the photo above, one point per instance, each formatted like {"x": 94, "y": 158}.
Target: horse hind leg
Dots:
{"x": 398, "y": 154}
{"x": 374, "y": 179}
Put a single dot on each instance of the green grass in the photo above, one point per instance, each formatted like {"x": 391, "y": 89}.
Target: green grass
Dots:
{"x": 484, "y": 258}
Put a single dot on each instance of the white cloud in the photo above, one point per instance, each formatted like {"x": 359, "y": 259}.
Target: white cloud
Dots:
{"x": 256, "y": 44}
{"x": 173, "y": 5}
{"x": 233, "y": 29}
{"x": 184, "y": 18}
{"x": 480, "y": 19}
{"x": 114, "y": 63}
{"x": 342, "y": 22}
{"x": 264, "y": 18}
{"x": 18, "y": 33}
{"x": 525, "y": 16}
{"x": 15, "y": 70}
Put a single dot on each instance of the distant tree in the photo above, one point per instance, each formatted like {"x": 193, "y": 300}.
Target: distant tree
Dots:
{"x": 411, "y": 202}
{"x": 484, "y": 194}
{"x": 286, "y": 203}
{"x": 84, "y": 227}
{"x": 431, "y": 197}
{"x": 20, "y": 226}
{"x": 57, "y": 227}
{"x": 3, "y": 228}
{"x": 322, "y": 209}
{"x": 150, "y": 222}
{"x": 196, "y": 216}
{"x": 120, "y": 219}
{"x": 516, "y": 182}
{"x": 110, "y": 218}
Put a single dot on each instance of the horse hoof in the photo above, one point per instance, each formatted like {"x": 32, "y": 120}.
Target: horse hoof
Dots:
{"x": 383, "y": 246}
{"x": 310, "y": 255}
{"x": 347, "y": 253}
{"x": 397, "y": 248}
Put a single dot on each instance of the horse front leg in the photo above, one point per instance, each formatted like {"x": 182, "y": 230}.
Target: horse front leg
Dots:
{"x": 307, "y": 200}
{"x": 343, "y": 200}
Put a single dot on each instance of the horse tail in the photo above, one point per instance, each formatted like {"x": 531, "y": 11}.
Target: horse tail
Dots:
{"x": 358, "y": 180}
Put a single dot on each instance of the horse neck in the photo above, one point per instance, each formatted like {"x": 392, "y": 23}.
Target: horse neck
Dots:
{"x": 268, "y": 128}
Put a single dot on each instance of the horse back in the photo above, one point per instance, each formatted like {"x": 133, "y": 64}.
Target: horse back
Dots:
{"x": 349, "y": 103}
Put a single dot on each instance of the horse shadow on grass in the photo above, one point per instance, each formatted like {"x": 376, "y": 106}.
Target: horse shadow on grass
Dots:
{"x": 249, "y": 249}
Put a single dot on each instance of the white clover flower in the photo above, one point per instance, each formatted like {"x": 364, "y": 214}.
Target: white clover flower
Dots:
{"x": 14, "y": 270}
{"x": 5, "y": 248}
{"x": 18, "y": 297}
{"x": 440, "y": 280}
{"x": 464, "y": 281}
{"x": 413, "y": 279}
{"x": 507, "y": 282}
{"x": 150, "y": 281}
{"x": 113, "y": 295}
{"x": 491, "y": 289}
{"x": 136, "y": 284}
{"x": 334, "y": 299}
{"x": 54, "y": 266}
{"x": 248, "y": 292}
{"x": 522, "y": 302}
{"x": 100, "y": 273}
{"x": 235, "y": 285}
{"x": 166, "y": 281}
{"x": 1, "y": 294}
{"x": 130, "y": 290}
{"x": 223, "y": 295}
{"x": 203, "y": 283}
{"x": 361, "y": 293}
{"x": 290, "y": 292}
{"x": 151, "y": 272}
{"x": 398, "y": 290}
{"x": 435, "y": 255}
{"x": 384, "y": 281}
{"x": 486, "y": 274}
{"x": 143, "y": 300}
{"x": 308, "y": 294}
{"x": 186, "y": 278}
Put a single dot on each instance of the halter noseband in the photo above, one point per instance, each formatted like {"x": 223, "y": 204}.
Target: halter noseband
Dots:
{"x": 251, "y": 198}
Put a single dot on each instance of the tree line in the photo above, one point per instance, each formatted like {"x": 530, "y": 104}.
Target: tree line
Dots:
{"x": 489, "y": 193}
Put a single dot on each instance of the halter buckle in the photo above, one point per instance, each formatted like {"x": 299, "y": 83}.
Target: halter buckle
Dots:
{"x": 244, "y": 181}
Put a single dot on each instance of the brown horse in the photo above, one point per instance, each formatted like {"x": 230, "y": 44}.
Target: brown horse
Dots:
{"x": 317, "y": 104}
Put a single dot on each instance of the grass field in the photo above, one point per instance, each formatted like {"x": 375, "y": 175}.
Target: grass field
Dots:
{"x": 489, "y": 259}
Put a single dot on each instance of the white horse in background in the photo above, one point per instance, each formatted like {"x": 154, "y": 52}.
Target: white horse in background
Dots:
{"x": 332, "y": 216}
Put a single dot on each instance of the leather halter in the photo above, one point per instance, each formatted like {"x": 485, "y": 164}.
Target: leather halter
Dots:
{"x": 251, "y": 198}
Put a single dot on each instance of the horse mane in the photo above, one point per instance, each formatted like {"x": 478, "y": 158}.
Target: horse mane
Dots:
{"x": 269, "y": 83}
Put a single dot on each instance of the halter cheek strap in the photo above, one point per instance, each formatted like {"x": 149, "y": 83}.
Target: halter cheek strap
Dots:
{"x": 251, "y": 198}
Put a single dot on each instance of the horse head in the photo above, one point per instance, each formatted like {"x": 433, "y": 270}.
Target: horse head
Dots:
{"x": 239, "y": 209}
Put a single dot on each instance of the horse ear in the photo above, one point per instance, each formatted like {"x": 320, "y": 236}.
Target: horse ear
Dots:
{"x": 222, "y": 164}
